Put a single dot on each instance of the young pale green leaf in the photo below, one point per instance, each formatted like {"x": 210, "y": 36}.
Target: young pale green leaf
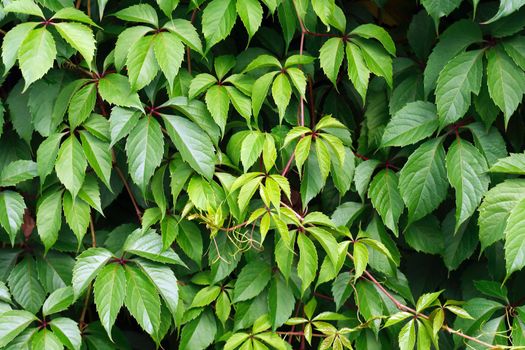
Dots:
{"x": 186, "y": 32}
{"x": 169, "y": 52}
{"x": 67, "y": 332}
{"x": 25, "y": 287}
{"x": 331, "y": 57}
{"x": 513, "y": 164}
{"x": 73, "y": 14}
{"x": 423, "y": 180}
{"x": 240, "y": 102}
{"x": 414, "y": 122}
{"x": 250, "y": 13}
{"x": 373, "y": 31}
{"x": 327, "y": 241}
{"x": 144, "y": 148}
{"x": 110, "y": 291}
{"x": 142, "y": 299}
{"x": 505, "y": 80}
{"x": 168, "y": 6}
{"x": 467, "y": 173}
{"x": 90, "y": 193}
{"x": 36, "y": 55}
{"x": 71, "y": 164}
{"x": 87, "y": 266}
{"x": 456, "y": 82}
{"x": 115, "y": 89}
{"x": 307, "y": 265}
{"x": 58, "y": 301}
{"x": 49, "y": 217}
{"x": 164, "y": 280}
{"x": 193, "y": 144}
{"x": 302, "y": 150}
{"x": 13, "y": 323}
{"x": 515, "y": 239}
{"x": 12, "y": 207}
{"x": 218, "y": 103}
{"x": 407, "y": 336}
{"x": 281, "y": 93}
{"x": 79, "y": 37}
{"x": 77, "y": 213}
{"x": 385, "y": 197}
{"x": 142, "y": 13}
{"x": 360, "y": 259}
{"x": 251, "y": 148}
{"x": 426, "y": 300}
{"x": 205, "y": 296}
{"x": 358, "y": 72}
{"x": 397, "y": 317}
{"x": 27, "y": 7}
{"x": 12, "y": 41}
{"x": 218, "y": 19}
{"x": 298, "y": 60}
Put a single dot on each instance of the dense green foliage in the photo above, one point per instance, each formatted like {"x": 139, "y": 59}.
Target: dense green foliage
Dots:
{"x": 262, "y": 174}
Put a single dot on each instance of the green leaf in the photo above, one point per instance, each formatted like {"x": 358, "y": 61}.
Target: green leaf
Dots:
{"x": 496, "y": 208}
{"x": 218, "y": 104}
{"x": 77, "y": 213}
{"x": 199, "y": 333}
{"x": 251, "y": 148}
{"x": 169, "y": 52}
{"x": 506, "y": 7}
{"x": 12, "y": 207}
{"x": 505, "y": 80}
{"x": 71, "y": 165}
{"x": 327, "y": 241}
{"x": 73, "y": 14}
{"x": 412, "y": 123}
{"x": 358, "y": 72}
{"x": 164, "y": 280}
{"x": 127, "y": 39}
{"x": 307, "y": 266}
{"x": 250, "y": 13}
{"x": 141, "y": 62}
{"x": 425, "y": 235}
{"x": 82, "y": 104}
{"x": 87, "y": 266}
{"x": 121, "y": 122}
{"x": 25, "y": 286}
{"x": 467, "y": 173}
{"x": 80, "y": 37}
{"x": 144, "y": 148}
{"x": 514, "y": 240}
{"x": 12, "y": 42}
{"x": 45, "y": 339}
{"x": 110, "y": 291}
{"x": 385, "y": 197}
{"x": 372, "y": 31}
{"x": 186, "y": 32}
{"x": 27, "y": 7}
{"x": 515, "y": 49}
{"x": 194, "y": 146}
{"x": 260, "y": 90}
{"x": 218, "y": 19}
{"x": 36, "y": 55}
{"x": 149, "y": 246}
{"x": 67, "y": 331}
{"x": 331, "y": 58}
{"x": 423, "y": 180}
{"x": 205, "y": 296}
{"x": 142, "y": 299}
{"x": 58, "y": 301}
{"x": 142, "y": 13}
{"x": 360, "y": 259}
{"x": 13, "y": 323}
{"x": 407, "y": 336}
{"x": 167, "y": 6}
{"x": 437, "y": 9}
{"x": 280, "y": 302}
{"x": 201, "y": 83}
{"x": 240, "y": 102}
{"x": 115, "y": 89}
{"x": 49, "y": 217}
{"x": 513, "y": 164}
{"x": 253, "y": 278}
{"x": 456, "y": 82}
{"x": 377, "y": 60}
{"x": 17, "y": 171}
{"x": 281, "y": 93}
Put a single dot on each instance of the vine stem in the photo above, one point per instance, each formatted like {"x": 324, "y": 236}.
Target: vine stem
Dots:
{"x": 416, "y": 314}
{"x": 138, "y": 212}
{"x": 288, "y": 164}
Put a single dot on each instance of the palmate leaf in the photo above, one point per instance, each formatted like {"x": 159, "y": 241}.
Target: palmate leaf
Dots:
{"x": 87, "y": 266}
{"x": 13, "y": 323}
{"x": 141, "y": 62}
{"x": 218, "y": 19}
{"x": 80, "y": 37}
{"x": 251, "y": 13}
{"x": 36, "y": 55}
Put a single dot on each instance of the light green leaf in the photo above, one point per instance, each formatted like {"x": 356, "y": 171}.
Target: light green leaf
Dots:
{"x": 25, "y": 287}
{"x": 144, "y": 148}
{"x": 71, "y": 165}
{"x": 423, "y": 180}
{"x": 141, "y": 13}
{"x": 386, "y": 199}
{"x": 98, "y": 155}
{"x": 281, "y": 93}
{"x": 169, "y": 52}
{"x": 360, "y": 259}
{"x": 12, "y": 207}
{"x": 218, "y": 19}
{"x": 331, "y": 58}
{"x": 80, "y": 37}
{"x": 505, "y": 80}
{"x": 373, "y": 31}
{"x": 87, "y": 266}
{"x": 298, "y": 80}
{"x": 377, "y": 59}
{"x": 260, "y": 91}
{"x": 141, "y": 62}
{"x": 149, "y": 246}
{"x": 121, "y": 122}
{"x": 67, "y": 331}
{"x": 358, "y": 72}
{"x": 13, "y": 323}
{"x": 45, "y": 339}
{"x": 467, "y": 173}
{"x": 437, "y": 9}
{"x": 49, "y": 217}
{"x": 513, "y": 164}
{"x": 58, "y": 301}
{"x": 142, "y": 299}
{"x": 186, "y": 32}
{"x": 457, "y": 81}
{"x": 73, "y": 14}
{"x": 110, "y": 291}
{"x": 363, "y": 174}
{"x": 193, "y": 144}
{"x": 251, "y": 148}
{"x": 127, "y": 39}
{"x": 77, "y": 213}
{"x": 414, "y": 122}
{"x": 36, "y": 55}
{"x": 515, "y": 239}
{"x": 82, "y": 104}
{"x": 12, "y": 42}
{"x": 167, "y": 6}
{"x": 17, "y": 171}
{"x": 27, "y": 7}
{"x": 199, "y": 333}
{"x": 280, "y": 302}
{"x": 506, "y": 7}
{"x": 250, "y": 13}
{"x": 407, "y": 336}
{"x": 115, "y": 89}
{"x": 218, "y": 104}
{"x": 307, "y": 266}
{"x": 515, "y": 48}
{"x": 201, "y": 83}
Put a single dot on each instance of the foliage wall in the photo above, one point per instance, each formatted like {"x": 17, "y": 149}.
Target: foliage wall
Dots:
{"x": 262, "y": 174}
